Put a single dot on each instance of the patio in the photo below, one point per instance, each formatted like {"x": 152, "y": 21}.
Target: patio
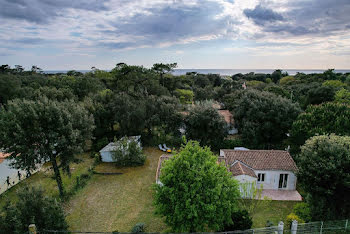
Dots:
{"x": 282, "y": 195}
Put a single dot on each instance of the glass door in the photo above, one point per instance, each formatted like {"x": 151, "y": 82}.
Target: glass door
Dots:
{"x": 283, "y": 181}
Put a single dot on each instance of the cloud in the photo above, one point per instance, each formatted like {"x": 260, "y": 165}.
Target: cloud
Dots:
{"x": 261, "y": 15}
{"x": 169, "y": 23}
{"x": 314, "y": 17}
{"x": 42, "y": 11}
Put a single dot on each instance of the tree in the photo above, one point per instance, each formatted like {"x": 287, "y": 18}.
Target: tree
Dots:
{"x": 320, "y": 95}
{"x": 262, "y": 118}
{"x": 342, "y": 96}
{"x": 321, "y": 119}
{"x": 197, "y": 193}
{"x": 34, "y": 132}
{"x": 185, "y": 96}
{"x": 206, "y": 125}
{"x": 32, "y": 206}
{"x": 162, "y": 69}
{"x": 336, "y": 84}
{"x": 324, "y": 165}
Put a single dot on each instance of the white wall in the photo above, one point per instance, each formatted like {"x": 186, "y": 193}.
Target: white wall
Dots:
{"x": 106, "y": 157}
{"x": 272, "y": 179}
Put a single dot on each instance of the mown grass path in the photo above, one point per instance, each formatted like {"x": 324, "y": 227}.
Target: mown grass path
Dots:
{"x": 117, "y": 202}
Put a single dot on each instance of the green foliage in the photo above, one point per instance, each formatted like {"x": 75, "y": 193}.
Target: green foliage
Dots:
{"x": 32, "y": 206}
{"x": 277, "y": 90}
{"x": 324, "y": 175}
{"x": 37, "y": 131}
{"x": 287, "y": 80}
{"x": 290, "y": 219}
{"x": 197, "y": 193}
{"x": 302, "y": 210}
{"x": 138, "y": 228}
{"x": 342, "y": 96}
{"x": 255, "y": 84}
{"x": 185, "y": 96}
{"x": 251, "y": 198}
{"x": 263, "y": 119}
{"x": 319, "y": 95}
{"x": 321, "y": 119}
{"x": 206, "y": 125}
{"x": 128, "y": 153}
{"x": 231, "y": 143}
{"x": 337, "y": 84}
{"x": 241, "y": 221}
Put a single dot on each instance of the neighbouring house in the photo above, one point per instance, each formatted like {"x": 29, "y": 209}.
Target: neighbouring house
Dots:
{"x": 107, "y": 151}
{"x": 274, "y": 170}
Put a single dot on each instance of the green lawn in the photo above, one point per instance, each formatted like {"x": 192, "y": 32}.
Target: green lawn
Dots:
{"x": 118, "y": 202}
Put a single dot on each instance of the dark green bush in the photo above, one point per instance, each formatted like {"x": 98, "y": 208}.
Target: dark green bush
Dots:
{"x": 241, "y": 221}
{"x": 302, "y": 210}
{"x": 138, "y": 228}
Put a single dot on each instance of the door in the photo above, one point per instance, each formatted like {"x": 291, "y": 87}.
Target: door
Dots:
{"x": 283, "y": 181}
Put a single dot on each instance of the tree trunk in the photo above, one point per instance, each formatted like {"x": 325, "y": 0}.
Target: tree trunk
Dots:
{"x": 57, "y": 175}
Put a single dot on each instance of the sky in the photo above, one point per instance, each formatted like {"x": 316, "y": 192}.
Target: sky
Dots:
{"x": 208, "y": 34}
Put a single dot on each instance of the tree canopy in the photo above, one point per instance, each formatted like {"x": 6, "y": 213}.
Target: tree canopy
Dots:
{"x": 197, "y": 193}
{"x": 34, "y": 132}
{"x": 324, "y": 166}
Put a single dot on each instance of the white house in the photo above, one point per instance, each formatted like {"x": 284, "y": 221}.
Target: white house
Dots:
{"x": 273, "y": 170}
{"x": 107, "y": 151}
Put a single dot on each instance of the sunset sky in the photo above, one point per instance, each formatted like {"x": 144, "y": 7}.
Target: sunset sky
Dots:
{"x": 242, "y": 34}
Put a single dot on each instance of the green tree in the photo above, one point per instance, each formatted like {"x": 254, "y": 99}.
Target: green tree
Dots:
{"x": 32, "y": 206}
{"x": 206, "y": 125}
{"x": 320, "y": 119}
{"x": 128, "y": 153}
{"x": 342, "y": 96}
{"x": 241, "y": 221}
{"x": 336, "y": 84}
{"x": 34, "y": 132}
{"x": 163, "y": 69}
{"x": 324, "y": 165}
{"x": 197, "y": 194}
{"x": 263, "y": 119}
{"x": 185, "y": 96}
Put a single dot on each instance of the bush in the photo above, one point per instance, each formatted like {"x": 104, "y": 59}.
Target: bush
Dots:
{"x": 290, "y": 219}
{"x": 269, "y": 223}
{"x": 33, "y": 206}
{"x": 128, "y": 154}
{"x": 303, "y": 211}
{"x": 138, "y": 228}
{"x": 231, "y": 143}
{"x": 241, "y": 221}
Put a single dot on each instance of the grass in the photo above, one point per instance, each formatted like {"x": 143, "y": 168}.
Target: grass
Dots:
{"x": 275, "y": 211}
{"x": 117, "y": 202}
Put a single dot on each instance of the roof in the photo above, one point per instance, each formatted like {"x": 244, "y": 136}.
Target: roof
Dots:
{"x": 227, "y": 116}
{"x": 240, "y": 168}
{"x": 162, "y": 158}
{"x": 261, "y": 159}
{"x": 3, "y": 155}
{"x": 112, "y": 146}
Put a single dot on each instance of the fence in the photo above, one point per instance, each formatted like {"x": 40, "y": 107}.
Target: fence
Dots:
{"x": 327, "y": 227}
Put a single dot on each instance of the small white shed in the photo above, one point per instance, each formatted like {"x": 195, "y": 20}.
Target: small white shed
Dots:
{"x": 107, "y": 151}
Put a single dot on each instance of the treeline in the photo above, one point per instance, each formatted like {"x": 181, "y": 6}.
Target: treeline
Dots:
{"x": 271, "y": 111}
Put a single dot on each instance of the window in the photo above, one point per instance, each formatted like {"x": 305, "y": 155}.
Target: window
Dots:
{"x": 261, "y": 177}
{"x": 283, "y": 181}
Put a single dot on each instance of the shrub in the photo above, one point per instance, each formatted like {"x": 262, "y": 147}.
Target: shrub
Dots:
{"x": 138, "y": 228}
{"x": 290, "y": 219}
{"x": 241, "y": 221}
{"x": 269, "y": 223}
{"x": 185, "y": 96}
{"x": 128, "y": 154}
{"x": 303, "y": 211}
{"x": 231, "y": 143}
{"x": 33, "y": 206}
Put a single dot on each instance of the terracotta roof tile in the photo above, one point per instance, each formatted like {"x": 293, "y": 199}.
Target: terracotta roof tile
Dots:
{"x": 261, "y": 159}
{"x": 227, "y": 116}
{"x": 239, "y": 168}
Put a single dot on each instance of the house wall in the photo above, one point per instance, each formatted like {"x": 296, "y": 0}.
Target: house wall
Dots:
{"x": 106, "y": 156}
{"x": 245, "y": 185}
{"x": 272, "y": 179}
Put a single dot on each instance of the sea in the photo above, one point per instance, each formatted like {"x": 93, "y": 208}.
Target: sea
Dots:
{"x": 227, "y": 72}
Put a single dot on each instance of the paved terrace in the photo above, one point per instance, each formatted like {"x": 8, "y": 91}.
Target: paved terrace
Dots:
{"x": 282, "y": 195}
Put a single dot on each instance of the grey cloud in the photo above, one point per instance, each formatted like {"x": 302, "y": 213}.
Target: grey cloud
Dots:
{"x": 41, "y": 11}
{"x": 314, "y": 17}
{"x": 261, "y": 15}
{"x": 170, "y": 23}
{"x": 29, "y": 40}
